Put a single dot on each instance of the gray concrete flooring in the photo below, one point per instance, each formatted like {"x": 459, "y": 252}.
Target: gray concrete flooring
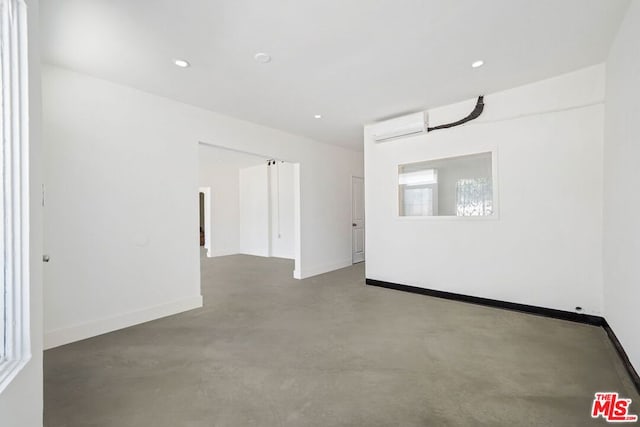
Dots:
{"x": 267, "y": 350}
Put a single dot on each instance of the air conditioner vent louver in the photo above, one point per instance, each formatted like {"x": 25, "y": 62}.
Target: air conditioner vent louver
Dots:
{"x": 412, "y": 124}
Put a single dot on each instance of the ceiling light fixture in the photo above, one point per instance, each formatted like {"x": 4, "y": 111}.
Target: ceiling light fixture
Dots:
{"x": 262, "y": 57}
{"x": 318, "y": 116}
{"x": 477, "y": 64}
{"x": 181, "y": 63}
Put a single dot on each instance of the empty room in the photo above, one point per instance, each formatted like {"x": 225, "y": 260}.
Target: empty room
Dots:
{"x": 319, "y": 213}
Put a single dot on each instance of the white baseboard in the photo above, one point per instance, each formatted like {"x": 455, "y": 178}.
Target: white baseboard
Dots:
{"x": 86, "y": 330}
{"x": 314, "y": 271}
{"x": 214, "y": 254}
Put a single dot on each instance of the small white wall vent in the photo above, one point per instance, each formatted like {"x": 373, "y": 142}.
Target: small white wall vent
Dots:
{"x": 412, "y": 124}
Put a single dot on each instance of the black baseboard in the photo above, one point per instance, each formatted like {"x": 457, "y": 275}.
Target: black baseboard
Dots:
{"x": 524, "y": 308}
{"x": 531, "y": 309}
{"x": 635, "y": 378}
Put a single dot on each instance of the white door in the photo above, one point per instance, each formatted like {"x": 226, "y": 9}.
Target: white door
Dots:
{"x": 357, "y": 219}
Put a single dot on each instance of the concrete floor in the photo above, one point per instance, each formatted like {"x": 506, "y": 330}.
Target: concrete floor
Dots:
{"x": 267, "y": 350}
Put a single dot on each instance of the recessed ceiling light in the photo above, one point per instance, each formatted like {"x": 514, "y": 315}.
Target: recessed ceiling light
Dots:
{"x": 318, "y": 116}
{"x": 181, "y": 63}
{"x": 477, "y": 64}
{"x": 262, "y": 57}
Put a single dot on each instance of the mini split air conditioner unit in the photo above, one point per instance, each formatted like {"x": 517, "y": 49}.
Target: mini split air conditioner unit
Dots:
{"x": 409, "y": 125}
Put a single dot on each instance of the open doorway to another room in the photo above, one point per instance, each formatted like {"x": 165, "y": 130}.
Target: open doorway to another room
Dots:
{"x": 201, "y": 218}
{"x": 204, "y": 220}
{"x": 249, "y": 204}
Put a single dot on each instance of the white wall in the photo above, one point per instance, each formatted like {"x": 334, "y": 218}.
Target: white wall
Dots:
{"x": 121, "y": 214}
{"x": 219, "y": 170}
{"x": 545, "y": 247}
{"x": 254, "y": 210}
{"x": 21, "y": 402}
{"x": 128, "y": 160}
{"x": 267, "y": 223}
{"x": 621, "y": 178}
{"x": 281, "y": 194}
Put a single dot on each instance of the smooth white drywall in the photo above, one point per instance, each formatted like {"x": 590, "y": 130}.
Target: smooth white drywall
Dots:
{"x": 621, "y": 178}
{"x": 254, "y": 210}
{"x": 21, "y": 402}
{"x": 544, "y": 247}
{"x": 281, "y": 196}
{"x": 218, "y": 169}
{"x": 122, "y": 213}
{"x": 267, "y": 210}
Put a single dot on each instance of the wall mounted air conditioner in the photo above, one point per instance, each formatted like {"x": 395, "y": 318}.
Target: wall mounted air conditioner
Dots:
{"x": 409, "y": 125}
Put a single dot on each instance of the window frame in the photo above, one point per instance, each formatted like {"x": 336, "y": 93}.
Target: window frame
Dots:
{"x": 14, "y": 191}
{"x": 484, "y": 148}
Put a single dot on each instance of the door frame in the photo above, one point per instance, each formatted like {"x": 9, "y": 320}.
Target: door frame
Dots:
{"x": 208, "y": 231}
{"x": 351, "y": 218}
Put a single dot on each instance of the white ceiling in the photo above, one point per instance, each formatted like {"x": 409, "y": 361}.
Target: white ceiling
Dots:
{"x": 353, "y": 61}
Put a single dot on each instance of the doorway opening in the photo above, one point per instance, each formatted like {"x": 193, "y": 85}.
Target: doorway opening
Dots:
{"x": 252, "y": 206}
{"x": 201, "y": 203}
{"x": 204, "y": 220}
